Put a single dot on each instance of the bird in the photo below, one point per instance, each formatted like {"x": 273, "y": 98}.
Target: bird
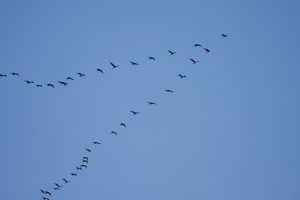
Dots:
{"x": 63, "y": 83}
{"x": 85, "y": 158}
{"x": 151, "y": 103}
{"x": 194, "y": 61}
{"x": 197, "y": 45}
{"x": 39, "y": 85}
{"x": 49, "y": 193}
{"x": 43, "y": 191}
{"x": 70, "y": 79}
{"x": 45, "y": 198}
{"x": 15, "y": 74}
{"x": 206, "y": 50}
{"x": 65, "y": 180}
{"x": 224, "y": 35}
{"x": 134, "y": 63}
{"x": 29, "y": 82}
{"x": 3, "y": 75}
{"x": 73, "y": 174}
{"x": 170, "y": 91}
{"x": 50, "y": 85}
{"x": 88, "y": 149}
{"x": 171, "y": 52}
{"x": 151, "y": 58}
{"x": 81, "y": 74}
{"x": 57, "y": 185}
{"x": 83, "y": 166}
{"x": 57, "y": 188}
{"x": 96, "y": 142}
{"x": 134, "y": 112}
{"x": 114, "y": 132}
{"x": 85, "y": 161}
{"x": 77, "y": 168}
{"x": 113, "y": 65}
{"x": 122, "y": 124}
{"x": 182, "y": 76}
{"x": 99, "y": 70}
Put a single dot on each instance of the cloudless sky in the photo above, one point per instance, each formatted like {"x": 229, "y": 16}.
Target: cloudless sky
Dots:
{"x": 230, "y": 130}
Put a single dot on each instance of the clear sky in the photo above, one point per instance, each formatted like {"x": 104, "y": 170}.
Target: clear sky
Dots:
{"x": 230, "y": 130}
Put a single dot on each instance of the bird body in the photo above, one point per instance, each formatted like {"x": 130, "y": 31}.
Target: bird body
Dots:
{"x": 3, "y": 75}
{"x": 151, "y": 103}
{"x": 73, "y": 174}
{"x": 39, "y": 85}
{"x": 70, "y": 79}
{"x": 88, "y": 149}
{"x": 151, "y": 58}
{"x": 224, "y": 35}
{"x": 63, "y": 83}
{"x": 197, "y": 45}
{"x": 50, "y": 85}
{"x": 96, "y": 142}
{"x": 122, "y": 124}
{"x": 206, "y": 50}
{"x": 65, "y": 180}
{"x": 194, "y": 61}
{"x": 114, "y": 132}
{"x": 182, "y": 76}
{"x": 113, "y": 65}
{"x": 15, "y": 74}
{"x": 134, "y": 112}
{"x": 29, "y": 82}
{"x": 170, "y": 91}
{"x": 100, "y": 70}
{"x": 134, "y": 63}
{"x": 171, "y": 52}
{"x": 81, "y": 74}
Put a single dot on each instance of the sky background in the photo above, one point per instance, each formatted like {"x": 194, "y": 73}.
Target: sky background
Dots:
{"x": 230, "y": 131}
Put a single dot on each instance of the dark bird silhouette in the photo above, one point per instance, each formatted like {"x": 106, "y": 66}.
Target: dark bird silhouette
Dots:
{"x": 182, "y": 76}
{"x": 3, "y": 75}
{"x": 49, "y": 193}
{"x": 83, "y": 166}
{"x": 197, "y": 45}
{"x": 65, "y": 180}
{"x": 70, "y": 79}
{"x": 170, "y": 91}
{"x": 15, "y": 74}
{"x": 50, "y": 85}
{"x": 85, "y": 161}
{"x": 43, "y": 191}
{"x": 57, "y": 185}
{"x": 96, "y": 142}
{"x": 206, "y": 50}
{"x": 134, "y": 63}
{"x": 113, "y": 65}
{"x": 134, "y": 112}
{"x": 171, "y": 52}
{"x": 114, "y": 132}
{"x": 151, "y": 58}
{"x": 73, "y": 174}
{"x": 194, "y": 61}
{"x": 29, "y": 82}
{"x": 39, "y": 85}
{"x": 63, "y": 83}
{"x": 151, "y": 103}
{"x": 85, "y": 158}
{"x": 77, "y": 168}
{"x": 100, "y": 70}
{"x": 224, "y": 35}
{"x": 45, "y": 198}
{"x": 122, "y": 124}
{"x": 57, "y": 188}
{"x": 88, "y": 149}
{"x": 81, "y": 74}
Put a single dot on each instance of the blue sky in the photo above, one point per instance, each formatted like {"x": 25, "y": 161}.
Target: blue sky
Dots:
{"x": 230, "y": 130}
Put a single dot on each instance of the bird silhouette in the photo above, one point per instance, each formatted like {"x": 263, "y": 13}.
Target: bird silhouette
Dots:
{"x": 57, "y": 185}
{"x": 171, "y": 52}
{"x": 43, "y": 191}
{"x": 83, "y": 166}
{"x": 151, "y": 58}
{"x": 65, "y": 180}
{"x": 114, "y": 132}
{"x": 224, "y": 35}
{"x": 73, "y": 174}
{"x": 100, "y": 70}
{"x": 96, "y": 142}
{"x": 194, "y": 61}
{"x": 50, "y": 85}
{"x": 38, "y": 85}
{"x": 88, "y": 149}
{"x": 77, "y": 168}
{"x": 151, "y": 103}
{"x": 81, "y": 74}
{"x": 134, "y": 112}
{"x": 206, "y": 50}
{"x": 85, "y": 158}
{"x": 182, "y": 76}
{"x": 49, "y": 193}
{"x": 134, "y": 63}
{"x": 197, "y": 45}
{"x": 122, "y": 124}
{"x": 45, "y": 198}
{"x": 113, "y": 65}
{"x": 85, "y": 161}
{"x": 3, "y": 75}
{"x": 15, "y": 74}
{"x": 170, "y": 91}
{"x": 63, "y": 83}
{"x": 70, "y": 79}
{"x": 57, "y": 188}
{"x": 29, "y": 82}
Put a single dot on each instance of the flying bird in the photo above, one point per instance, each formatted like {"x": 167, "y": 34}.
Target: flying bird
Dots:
{"x": 151, "y": 103}
{"x": 182, "y": 76}
{"x": 194, "y": 61}
{"x": 100, "y": 70}
{"x": 3, "y": 75}
{"x": 83, "y": 166}
{"x": 113, "y": 65}
{"x": 134, "y": 112}
{"x": 122, "y": 124}
{"x": 73, "y": 174}
{"x": 81, "y": 74}
{"x": 85, "y": 158}
{"x": 57, "y": 188}
{"x": 70, "y": 79}
{"x": 46, "y": 192}
{"x": 170, "y": 91}
{"x": 224, "y": 35}
{"x": 134, "y": 63}
{"x": 151, "y": 58}
{"x": 171, "y": 52}
{"x": 96, "y": 142}
{"x": 77, "y": 168}
{"x": 50, "y": 85}
{"x": 206, "y": 50}
{"x": 29, "y": 82}
{"x": 88, "y": 149}
{"x": 197, "y": 45}
{"x": 15, "y": 74}
{"x": 85, "y": 161}
{"x": 65, "y": 180}
{"x": 39, "y": 85}
{"x": 57, "y": 185}
{"x": 45, "y": 198}
{"x": 63, "y": 83}
{"x": 43, "y": 191}
{"x": 114, "y": 132}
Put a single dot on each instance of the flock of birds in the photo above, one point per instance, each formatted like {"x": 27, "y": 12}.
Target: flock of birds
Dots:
{"x": 46, "y": 194}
